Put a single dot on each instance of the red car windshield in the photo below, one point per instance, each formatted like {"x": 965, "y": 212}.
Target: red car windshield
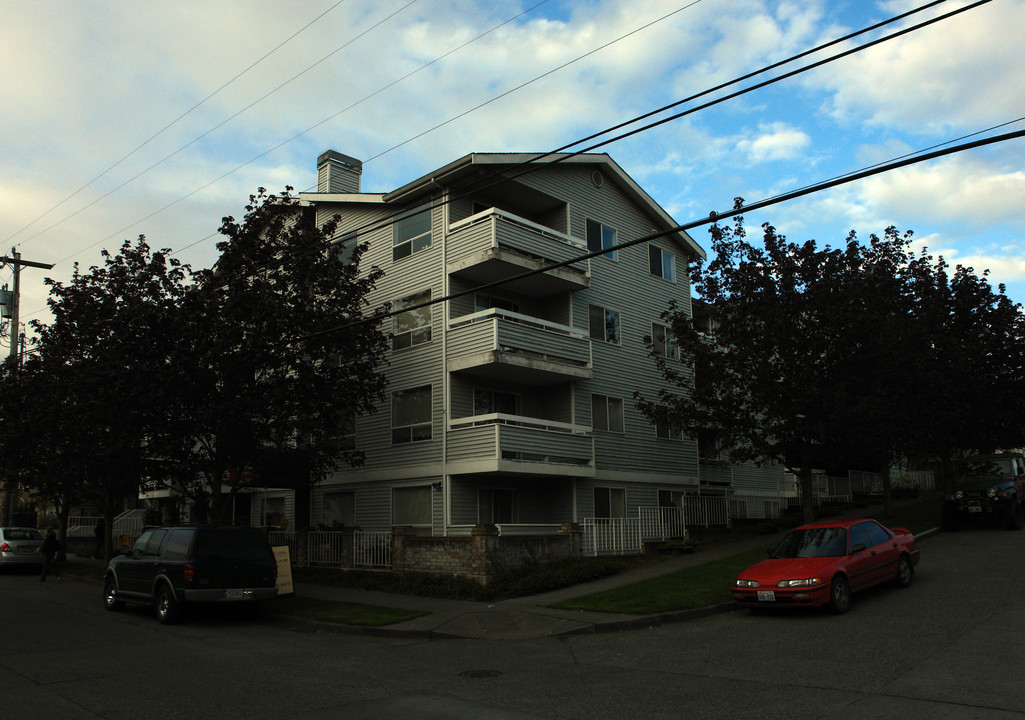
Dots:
{"x": 813, "y": 542}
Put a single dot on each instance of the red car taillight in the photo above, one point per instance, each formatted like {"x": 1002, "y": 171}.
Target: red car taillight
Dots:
{"x": 190, "y": 572}
{"x": 6, "y": 548}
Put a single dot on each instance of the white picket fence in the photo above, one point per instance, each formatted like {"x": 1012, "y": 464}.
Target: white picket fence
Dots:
{"x": 331, "y": 547}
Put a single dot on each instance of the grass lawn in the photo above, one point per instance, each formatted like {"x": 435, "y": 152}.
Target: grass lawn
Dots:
{"x": 710, "y": 583}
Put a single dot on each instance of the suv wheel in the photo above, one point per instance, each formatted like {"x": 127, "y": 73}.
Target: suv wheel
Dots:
{"x": 168, "y": 609}
{"x": 110, "y": 599}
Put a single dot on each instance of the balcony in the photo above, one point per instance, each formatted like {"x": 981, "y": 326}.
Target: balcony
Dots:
{"x": 519, "y": 444}
{"x": 495, "y": 245}
{"x": 501, "y": 345}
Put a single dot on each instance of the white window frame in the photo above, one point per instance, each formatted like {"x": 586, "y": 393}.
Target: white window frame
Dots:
{"x": 342, "y": 500}
{"x": 615, "y": 499}
{"x": 663, "y": 341}
{"x": 611, "y": 328}
{"x": 420, "y": 430}
{"x": 486, "y": 505}
{"x": 408, "y": 234}
{"x": 417, "y": 510}
{"x": 605, "y": 411}
{"x": 600, "y": 236}
{"x": 661, "y": 262}
{"x": 405, "y": 334}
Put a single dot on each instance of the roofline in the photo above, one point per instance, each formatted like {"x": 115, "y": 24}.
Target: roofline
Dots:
{"x": 434, "y": 179}
{"x": 313, "y": 197}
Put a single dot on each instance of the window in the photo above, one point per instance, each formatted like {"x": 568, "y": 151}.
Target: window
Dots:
{"x": 710, "y": 445}
{"x": 339, "y": 509}
{"x": 153, "y": 546}
{"x": 609, "y": 502}
{"x": 603, "y": 324}
{"x": 411, "y": 233}
{"x": 273, "y": 512}
{"x": 663, "y": 342}
{"x": 345, "y": 247}
{"x": 411, "y": 415}
{"x": 667, "y": 431}
{"x": 481, "y": 302}
{"x": 600, "y": 237}
{"x": 497, "y": 506}
{"x": 662, "y": 263}
{"x": 486, "y": 402}
{"x": 346, "y": 437}
{"x": 411, "y": 506}
{"x": 607, "y": 413}
{"x": 412, "y": 327}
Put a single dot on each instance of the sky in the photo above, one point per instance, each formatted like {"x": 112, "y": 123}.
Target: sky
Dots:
{"x": 122, "y": 118}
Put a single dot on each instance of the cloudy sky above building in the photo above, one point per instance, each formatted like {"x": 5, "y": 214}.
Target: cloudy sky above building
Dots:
{"x": 123, "y": 118}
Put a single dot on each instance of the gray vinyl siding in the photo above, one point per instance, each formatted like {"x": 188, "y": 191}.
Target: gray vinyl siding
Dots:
{"x": 636, "y": 460}
{"x": 626, "y": 286}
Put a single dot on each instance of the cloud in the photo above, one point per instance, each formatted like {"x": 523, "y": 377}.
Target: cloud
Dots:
{"x": 775, "y": 141}
{"x": 960, "y": 73}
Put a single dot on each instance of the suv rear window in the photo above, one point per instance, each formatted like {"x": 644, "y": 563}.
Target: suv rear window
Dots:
{"x": 231, "y": 543}
{"x": 178, "y": 544}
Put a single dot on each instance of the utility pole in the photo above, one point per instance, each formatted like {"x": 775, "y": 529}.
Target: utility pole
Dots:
{"x": 15, "y": 261}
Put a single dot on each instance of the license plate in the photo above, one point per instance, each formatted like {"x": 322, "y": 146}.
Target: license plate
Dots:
{"x": 766, "y": 596}
{"x": 235, "y": 594}
{"x": 974, "y": 508}
{"x": 26, "y": 550}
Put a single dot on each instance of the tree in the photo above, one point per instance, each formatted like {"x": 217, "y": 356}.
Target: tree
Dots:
{"x": 91, "y": 395}
{"x": 265, "y": 392}
{"x": 817, "y": 356}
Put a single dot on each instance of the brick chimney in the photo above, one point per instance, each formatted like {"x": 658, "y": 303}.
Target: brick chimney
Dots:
{"x": 337, "y": 173}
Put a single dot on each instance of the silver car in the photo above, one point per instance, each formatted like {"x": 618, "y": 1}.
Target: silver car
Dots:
{"x": 20, "y": 547}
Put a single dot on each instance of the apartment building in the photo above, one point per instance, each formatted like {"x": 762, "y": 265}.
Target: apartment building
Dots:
{"x": 510, "y": 402}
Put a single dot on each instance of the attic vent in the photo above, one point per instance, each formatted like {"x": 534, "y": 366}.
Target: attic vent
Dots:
{"x": 597, "y": 178}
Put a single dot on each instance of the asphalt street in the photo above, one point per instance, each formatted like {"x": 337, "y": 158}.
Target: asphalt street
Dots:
{"x": 950, "y": 646}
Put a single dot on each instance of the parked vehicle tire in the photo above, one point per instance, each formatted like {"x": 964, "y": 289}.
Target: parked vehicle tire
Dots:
{"x": 839, "y": 596}
{"x": 167, "y": 608}
{"x": 905, "y": 572}
{"x": 1015, "y": 518}
{"x": 110, "y": 599}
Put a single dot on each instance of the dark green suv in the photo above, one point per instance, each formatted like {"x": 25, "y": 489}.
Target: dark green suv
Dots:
{"x": 169, "y": 567}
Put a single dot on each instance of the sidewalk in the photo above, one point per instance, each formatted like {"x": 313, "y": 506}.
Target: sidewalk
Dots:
{"x": 528, "y": 617}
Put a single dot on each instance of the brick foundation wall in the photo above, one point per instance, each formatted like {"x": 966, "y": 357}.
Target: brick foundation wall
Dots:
{"x": 482, "y": 555}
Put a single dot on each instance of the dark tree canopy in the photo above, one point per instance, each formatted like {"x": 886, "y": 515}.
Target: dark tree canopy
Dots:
{"x": 832, "y": 357}
{"x": 151, "y": 376}
{"x": 265, "y": 395}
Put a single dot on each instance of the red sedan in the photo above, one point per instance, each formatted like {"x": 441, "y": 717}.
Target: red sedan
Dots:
{"x": 823, "y": 563}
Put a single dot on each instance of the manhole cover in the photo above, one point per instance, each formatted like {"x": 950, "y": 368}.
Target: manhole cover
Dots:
{"x": 480, "y": 673}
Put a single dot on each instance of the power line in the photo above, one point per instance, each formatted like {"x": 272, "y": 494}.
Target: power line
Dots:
{"x": 280, "y": 144}
{"x": 478, "y": 185}
{"x": 528, "y": 166}
{"x": 162, "y": 130}
{"x": 203, "y": 135}
{"x": 712, "y": 218}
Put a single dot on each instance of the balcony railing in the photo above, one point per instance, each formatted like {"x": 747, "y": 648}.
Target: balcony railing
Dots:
{"x": 495, "y": 245}
{"x": 493, "y": 342}
{"x": 519, "y": 444}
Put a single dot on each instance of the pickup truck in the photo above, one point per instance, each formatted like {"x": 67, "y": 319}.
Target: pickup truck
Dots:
{"x": 987, "y": 488}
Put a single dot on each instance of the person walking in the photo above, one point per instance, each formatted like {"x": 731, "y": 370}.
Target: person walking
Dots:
{"x": 51, "y": 546}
